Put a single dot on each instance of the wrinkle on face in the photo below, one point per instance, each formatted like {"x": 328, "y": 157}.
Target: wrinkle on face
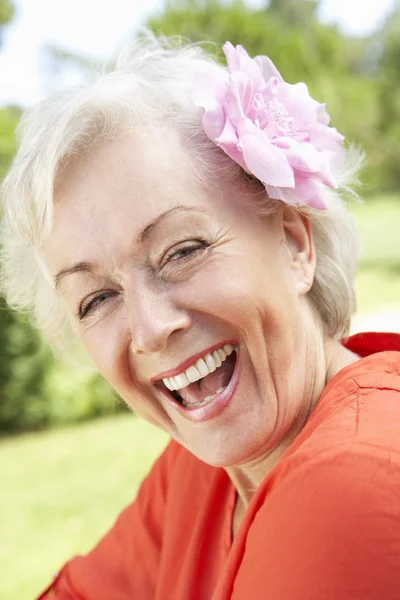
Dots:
{"x": 120, "y": 208}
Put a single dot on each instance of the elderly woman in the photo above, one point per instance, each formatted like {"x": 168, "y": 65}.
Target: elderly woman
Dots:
{"x": 185, "y": 222}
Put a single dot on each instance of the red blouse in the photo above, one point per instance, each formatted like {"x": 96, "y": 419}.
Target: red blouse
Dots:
{"x": 323, "y": 525}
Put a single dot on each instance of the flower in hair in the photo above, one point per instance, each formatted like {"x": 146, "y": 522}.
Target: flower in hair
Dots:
{"x": 274, "y": 130}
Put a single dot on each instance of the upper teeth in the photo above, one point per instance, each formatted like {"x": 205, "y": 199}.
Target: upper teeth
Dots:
{"x": 202, "y": 367}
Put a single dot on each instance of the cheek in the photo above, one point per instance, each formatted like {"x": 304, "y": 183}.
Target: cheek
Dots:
{"x": 237, "y": 288}
{"x": 107, "y": 343}
{"x": 108, "y": 347}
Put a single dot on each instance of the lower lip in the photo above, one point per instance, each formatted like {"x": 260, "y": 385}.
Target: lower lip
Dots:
{"x": 216, "y": 405}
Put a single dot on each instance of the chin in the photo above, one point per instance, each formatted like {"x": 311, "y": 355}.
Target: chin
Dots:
{"x": 229, "y": 450}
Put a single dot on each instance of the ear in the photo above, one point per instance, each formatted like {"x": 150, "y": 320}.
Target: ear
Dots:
{"x": 298, "y": 239}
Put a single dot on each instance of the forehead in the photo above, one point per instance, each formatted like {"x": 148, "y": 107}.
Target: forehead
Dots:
{"x": 106, "y": 197}
{"x": 151, "y": 165}
{"x": 134, "y": 177}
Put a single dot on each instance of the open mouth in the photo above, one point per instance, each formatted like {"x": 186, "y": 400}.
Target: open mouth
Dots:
{"x": 203, "y": 381}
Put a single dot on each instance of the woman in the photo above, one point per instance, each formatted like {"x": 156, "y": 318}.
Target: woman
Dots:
{"x": 185, "y": 222}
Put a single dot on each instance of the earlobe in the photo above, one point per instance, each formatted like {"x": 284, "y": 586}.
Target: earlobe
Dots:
{"x": 299, "y": 241}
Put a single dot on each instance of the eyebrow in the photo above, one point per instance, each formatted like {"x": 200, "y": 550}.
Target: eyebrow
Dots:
{"x": 88, "y": 267}
{"x": 150, "y": 227}
{"x": 85, "y": 267}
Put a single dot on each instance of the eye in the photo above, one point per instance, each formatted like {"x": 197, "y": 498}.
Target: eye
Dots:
{"x": 184, "y": 252}
{"x": 91, "y": 304}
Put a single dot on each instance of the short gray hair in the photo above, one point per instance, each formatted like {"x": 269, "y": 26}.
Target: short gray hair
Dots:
{"x": 151, "y": 83}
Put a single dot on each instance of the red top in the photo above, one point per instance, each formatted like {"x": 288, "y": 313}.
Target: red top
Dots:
{"x": 323, "y": 525}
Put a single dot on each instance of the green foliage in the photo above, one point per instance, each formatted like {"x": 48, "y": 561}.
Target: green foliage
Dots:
{"x": 22, "y": 354}
{"x": 9, "y": 118}
{"x": 388, "y": 78}
{"x": 22, "y": 369}
{"x": 36, "y": 390}
{"x": 296, "y": 13}
{"x": 6, "y": 11}
{"x": 73, "y": 394}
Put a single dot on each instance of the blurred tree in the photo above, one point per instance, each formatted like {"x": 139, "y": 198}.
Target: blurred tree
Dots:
{"x": 295, "y": 13}
{"x": 60, "y": 65}
{"x": 7, "y": 10}
{"x": 389, "y": 83}
{"x": 259, "y": 31}
{"x": 21, "y": 364}
{"x": 60, "y": 56}
{"x": 35, "y": 389}
{"x": 23, "y": 358}
{"x": 9, "y": 118}
{"x": 22, "y": 368}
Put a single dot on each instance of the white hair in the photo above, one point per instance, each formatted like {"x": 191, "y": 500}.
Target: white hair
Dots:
{"x": 151, "y": 84}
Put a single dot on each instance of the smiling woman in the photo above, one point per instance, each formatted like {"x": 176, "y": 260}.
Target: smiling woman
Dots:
{"x": 186, "y": 224}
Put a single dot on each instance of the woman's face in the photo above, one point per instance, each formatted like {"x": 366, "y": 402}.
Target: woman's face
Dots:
{"x": 159, "y": 275}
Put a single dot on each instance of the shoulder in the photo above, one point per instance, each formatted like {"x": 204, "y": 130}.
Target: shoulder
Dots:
{"x": 329, "y": 530}
{"x": 327, "y": 521}
{"x": 378, "y": 404}
{"x": 359, "y": 406}
{"x": 346, "y": 461}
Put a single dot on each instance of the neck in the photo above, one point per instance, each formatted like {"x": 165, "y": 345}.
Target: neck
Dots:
{"x": 247, "y": 477}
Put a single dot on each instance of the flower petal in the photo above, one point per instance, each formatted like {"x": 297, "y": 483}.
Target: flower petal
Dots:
{"x": 228, "y": 141}
{"x": 232, "y": 58}
{"x": 238, "y": 96}
{"x": 238, "y": 60}
{"x": 274, "y": 130}
{"x": 214, "y": 123}
{"x": 308, "y": 192}
{"x": 302, "y": 156}
{"x": 267, "y": 68}
{"x": 322, "y": 115}
{"x": 299, "y": 104}
{"x": 311, "y": 193}
{"x": 264, "y": 161}
{"x": 208, "y": 93}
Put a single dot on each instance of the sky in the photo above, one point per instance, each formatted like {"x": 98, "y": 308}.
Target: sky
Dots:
{"x": 95, "y": 28}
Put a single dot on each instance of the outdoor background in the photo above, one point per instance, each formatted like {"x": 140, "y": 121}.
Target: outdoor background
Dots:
{"x": 71, "y": 456}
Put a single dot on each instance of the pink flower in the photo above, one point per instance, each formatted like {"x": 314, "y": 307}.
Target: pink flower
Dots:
{"x": 272, "y": 129}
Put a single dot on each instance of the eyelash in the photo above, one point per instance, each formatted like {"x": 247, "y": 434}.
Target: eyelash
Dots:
{"x": 191, "y": 247}
{"x": 86, "y": 307}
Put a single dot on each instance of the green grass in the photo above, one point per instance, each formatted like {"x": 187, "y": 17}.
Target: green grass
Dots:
{"x": 378, "y": 289}
{"x": 378, "y": 281}
{"x": 61, "y": 490}
{"x": 378, "y": 221}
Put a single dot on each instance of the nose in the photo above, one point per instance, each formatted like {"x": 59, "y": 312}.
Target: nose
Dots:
{"x": 154, "y": 318}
